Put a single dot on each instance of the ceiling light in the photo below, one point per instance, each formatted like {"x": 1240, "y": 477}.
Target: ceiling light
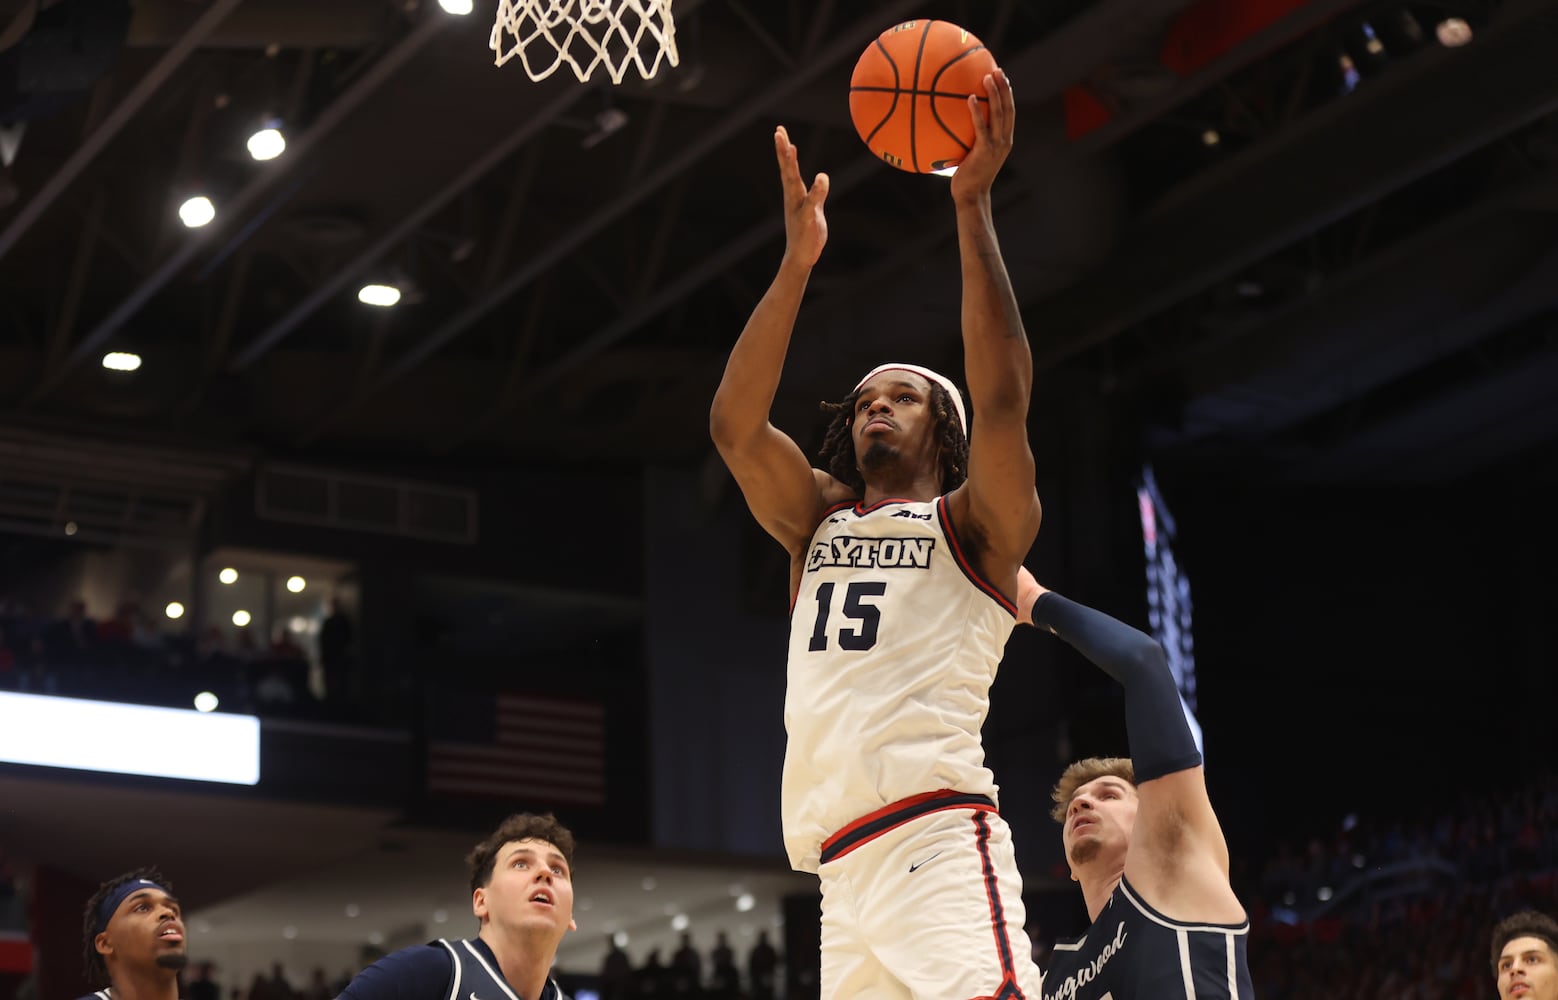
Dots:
{"x": 620, "y": 939}
{"x": 267, "y": 144}
{"x": 745, "y": 902}
{"x": 205, "y": 701}
{"x": 679, "y": 922}
{"x": 376, "y": 938}
{"x": 174, "y": 610}
{"x": 70, "y": 528}
{"x": 1210, "y": 137}
{"x": 378, "y": 295}
{"x": 648, "y": 883}
{"x": 121, "y": 361}
{"x": 296, "y": 584}
{"x": 290, "y": 933}
{"x": 1453, "y": 32}
{"x": 197, "y": 211}
{"x": 352, "y": 909}
{"x": 241, "y": 618}
{"x": 228, "y": 575}
{"x": 457, "y": 7}
{"x": 298, "y": 624}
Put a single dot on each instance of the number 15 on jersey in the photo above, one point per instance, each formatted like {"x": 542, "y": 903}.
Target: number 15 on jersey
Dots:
{"x": 861, "y": 618}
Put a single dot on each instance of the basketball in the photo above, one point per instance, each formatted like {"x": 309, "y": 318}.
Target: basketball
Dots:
{"x": 909, "y": 94}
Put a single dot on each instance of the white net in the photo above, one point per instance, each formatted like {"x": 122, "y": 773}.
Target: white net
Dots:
{"x": 585, "y": 34}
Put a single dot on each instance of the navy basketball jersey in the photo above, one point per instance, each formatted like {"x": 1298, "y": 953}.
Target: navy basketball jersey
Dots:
{"x": 1133, "y": 952}
{"x": 475, "y": 978}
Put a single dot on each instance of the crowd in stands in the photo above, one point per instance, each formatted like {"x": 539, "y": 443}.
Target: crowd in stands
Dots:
{"x": 1404, "y": 909}
{"x": 129, "y": 656}
{"x": 687, "y": 975}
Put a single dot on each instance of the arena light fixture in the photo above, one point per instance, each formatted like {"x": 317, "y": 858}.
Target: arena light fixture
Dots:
{"x": 205, "y": 701}
{"x": 197, "y": 211}
{"x": 228, "y": 575}
{"x": 242, "y": 618}
{"x": 1453, "y": 32}
{"x": 745, "y": 902}
{"x": 679, "y": 922}
{"x": 296, "y": 584}
{"x": 267, "y": 143}
{"x": 459, "y": 8}
{"x": 121, "y": 361}
{"x": 383, "y": 296}
{"x": 174, "y": 610}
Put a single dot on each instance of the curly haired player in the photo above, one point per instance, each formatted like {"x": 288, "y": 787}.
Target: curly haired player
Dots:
{"x": 904, "y": 562}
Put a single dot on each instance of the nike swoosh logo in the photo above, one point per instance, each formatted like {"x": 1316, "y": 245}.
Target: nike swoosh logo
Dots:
{"x": 474, "y": 996}
{"x": 922, "y": 864}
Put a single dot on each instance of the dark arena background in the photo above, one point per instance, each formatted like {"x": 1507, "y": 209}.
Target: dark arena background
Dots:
{"x": 1293, "y": 264}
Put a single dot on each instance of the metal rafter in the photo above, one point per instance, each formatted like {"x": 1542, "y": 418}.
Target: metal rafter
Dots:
{"x": 846, "y": 43}
{"x": 1226, "y": 217}
{"x": 527, "y": 129}
{"x": 100, "y": 136}
{"x": 326, "y": 123}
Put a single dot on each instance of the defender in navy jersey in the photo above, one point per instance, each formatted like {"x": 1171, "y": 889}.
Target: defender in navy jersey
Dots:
{"x": 904, "y": 559}
{"x": 522, "y": 893}
{"x": 1142, "y": 840}
{"x": 133, "y": 938}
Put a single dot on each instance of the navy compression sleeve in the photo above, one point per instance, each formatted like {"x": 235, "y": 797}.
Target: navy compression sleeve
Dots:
{"x": 421, "y": 972}
{"x": 1154, "y": 718}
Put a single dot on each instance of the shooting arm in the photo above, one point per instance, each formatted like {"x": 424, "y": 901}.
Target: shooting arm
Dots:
{"x": 780, "y": 486}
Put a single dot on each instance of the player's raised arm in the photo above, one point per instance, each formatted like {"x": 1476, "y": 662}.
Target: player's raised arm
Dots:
{"x": 1176, "y": 829}
{"x": 1001, "y": 501}
{"x": 778, "y": 482}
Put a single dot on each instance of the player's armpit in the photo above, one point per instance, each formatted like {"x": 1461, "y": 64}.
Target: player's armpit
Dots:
{"x": 1178, "y": 857}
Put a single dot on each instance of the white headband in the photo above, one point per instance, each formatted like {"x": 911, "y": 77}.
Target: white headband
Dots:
{"x": 925, "y": 373}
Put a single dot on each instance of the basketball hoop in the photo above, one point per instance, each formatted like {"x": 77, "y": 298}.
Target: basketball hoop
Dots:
{"x": 585, "y": 34}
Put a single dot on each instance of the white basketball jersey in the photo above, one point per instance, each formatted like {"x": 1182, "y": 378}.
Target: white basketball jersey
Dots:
{"x": 894, "y": 642}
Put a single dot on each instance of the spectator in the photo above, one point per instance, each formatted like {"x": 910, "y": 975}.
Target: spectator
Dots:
{"x": 335, "y": 655}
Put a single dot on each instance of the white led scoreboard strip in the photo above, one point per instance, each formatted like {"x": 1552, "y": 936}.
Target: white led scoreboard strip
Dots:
{"x": 129, "y": 739}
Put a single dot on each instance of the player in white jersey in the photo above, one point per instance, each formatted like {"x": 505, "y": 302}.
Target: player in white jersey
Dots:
{"x": 904, "y": 559}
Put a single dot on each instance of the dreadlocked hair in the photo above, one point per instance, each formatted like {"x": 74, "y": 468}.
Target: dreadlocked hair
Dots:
{"x": 837, "y": 454}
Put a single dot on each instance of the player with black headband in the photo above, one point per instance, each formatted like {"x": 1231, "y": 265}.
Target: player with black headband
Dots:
{"x": 1141, "y": 838}
{"x": 133, "y": 934}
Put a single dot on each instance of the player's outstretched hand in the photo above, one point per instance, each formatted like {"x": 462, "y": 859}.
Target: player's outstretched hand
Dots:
{"x": 992, "y": 139}
{"x": 805, "y": 225}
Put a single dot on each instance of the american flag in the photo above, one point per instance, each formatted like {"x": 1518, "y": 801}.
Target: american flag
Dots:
{"x": 541, "y": 749}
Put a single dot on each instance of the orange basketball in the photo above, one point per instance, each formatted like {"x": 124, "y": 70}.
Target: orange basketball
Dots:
{"x": 909, "y": 94}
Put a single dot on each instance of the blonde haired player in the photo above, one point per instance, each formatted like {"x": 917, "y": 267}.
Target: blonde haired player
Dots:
{"x": 1141, "y": 838}
{"x": 904, "y": 561}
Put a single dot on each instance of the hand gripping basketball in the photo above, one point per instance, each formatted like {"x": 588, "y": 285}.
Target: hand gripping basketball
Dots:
{"x": 805, "y": 225}
{"x": 992, "y": 139}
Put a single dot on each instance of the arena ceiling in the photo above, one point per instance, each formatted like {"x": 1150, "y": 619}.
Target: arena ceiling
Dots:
{"x": 1265, "y": 262}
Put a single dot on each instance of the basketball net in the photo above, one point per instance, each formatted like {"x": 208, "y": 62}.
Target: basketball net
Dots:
{"x": 585, "y": 34}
